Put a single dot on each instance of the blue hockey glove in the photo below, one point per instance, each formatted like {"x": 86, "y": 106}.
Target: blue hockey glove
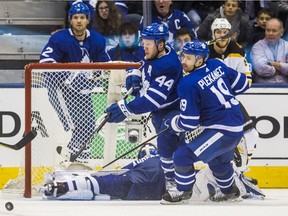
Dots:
{"x": 133, "y": 80}
{"x": 172, "y": 125}
{"x": 118, "y": 112}
{"x": 167, "y": 124}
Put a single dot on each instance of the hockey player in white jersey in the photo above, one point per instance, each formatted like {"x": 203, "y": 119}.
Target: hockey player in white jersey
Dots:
{"x": 207, "y": 98}
{"x": 155, "y": 83}
{"x": 233, "y": 55}
{"x": 72, "y": 102}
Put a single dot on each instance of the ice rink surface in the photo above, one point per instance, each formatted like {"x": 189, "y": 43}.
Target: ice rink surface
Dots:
{"x": 275, "y": 204}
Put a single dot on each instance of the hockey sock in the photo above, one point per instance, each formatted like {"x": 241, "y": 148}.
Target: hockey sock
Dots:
{"x": 224, "y": 180}
{"x": 185, "y": 178}
{"x": 168, "y": 167}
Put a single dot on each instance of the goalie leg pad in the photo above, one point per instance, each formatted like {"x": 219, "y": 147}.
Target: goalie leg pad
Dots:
{"x": 245, "y": 149}
{"x": 251, "y": 138}
{"x": 253, "y": 191}
{"x": 241, "y": 156}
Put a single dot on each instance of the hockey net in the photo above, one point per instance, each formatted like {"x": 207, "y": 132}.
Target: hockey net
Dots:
{"x": 65, "y": 103}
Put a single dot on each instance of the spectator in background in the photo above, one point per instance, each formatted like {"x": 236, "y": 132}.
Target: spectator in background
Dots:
{"x": 280, "y": 10}
{"x": 107, "y": 22}
{"x": 131, "y": 10}
{"x": 128, "y": 48}
{"x": 283, "y": 13}
{"x": 252, "y": 7}
{"x": 163, "y": 13}
{"x": 187, "y": 8}
{"x": 197, "y": 10}
{"x": 182, "y": 36}
{"x": 232, "y": 12}
{"x": 258, "y": 31}
{"x": 269, "y": 56}
{"x": 259, "y": 25}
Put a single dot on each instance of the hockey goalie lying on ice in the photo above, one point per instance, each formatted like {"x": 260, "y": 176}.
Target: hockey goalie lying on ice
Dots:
{"x": 143, "y": 179}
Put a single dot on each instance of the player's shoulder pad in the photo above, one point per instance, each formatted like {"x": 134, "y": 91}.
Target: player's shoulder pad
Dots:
{"x": 235, "y": 47}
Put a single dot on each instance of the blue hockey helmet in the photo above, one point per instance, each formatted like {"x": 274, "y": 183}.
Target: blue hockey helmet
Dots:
{"x": 155, "y": 32}
{"x": 197, "y": 48}
{"x": 148, "y": 149}
{"x": 78, "y": 7}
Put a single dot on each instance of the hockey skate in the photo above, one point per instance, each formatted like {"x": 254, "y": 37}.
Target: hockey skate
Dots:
{"x": 170, "y": 184}
{"x": 175, "y": 197}
{"x": 216, "y": 195}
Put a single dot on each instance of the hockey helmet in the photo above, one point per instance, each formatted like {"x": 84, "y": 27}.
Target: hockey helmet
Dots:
{"x": 197, "y": 48}
{"x": 156, "y": 32}
{"x": 220, "y": 23}
{"x": 78, "y": 7}
{"x": 148, "y": 149}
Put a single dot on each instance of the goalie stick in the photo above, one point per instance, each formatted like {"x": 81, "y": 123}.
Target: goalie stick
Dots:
{"x": 23, "y": 142}
{"x": 73, "y": 157}
{"x": 136, "y": 147}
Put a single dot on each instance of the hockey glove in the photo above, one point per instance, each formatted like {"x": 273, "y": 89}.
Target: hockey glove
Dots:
{"x": 133, "y": 80}
{"x": 172, "y": 125}
{"x": 118, "y": 112}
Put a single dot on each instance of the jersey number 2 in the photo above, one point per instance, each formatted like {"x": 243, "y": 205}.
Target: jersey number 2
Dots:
{"x": 47, "y": 52}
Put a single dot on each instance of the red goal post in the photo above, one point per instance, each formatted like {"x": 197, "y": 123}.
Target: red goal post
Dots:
{"x": 36, "y": 95}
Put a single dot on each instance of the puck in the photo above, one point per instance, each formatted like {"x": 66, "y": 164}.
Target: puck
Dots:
{"x": 9, "y": 206}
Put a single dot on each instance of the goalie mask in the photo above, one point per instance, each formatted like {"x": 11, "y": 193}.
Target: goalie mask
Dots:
{"x": 148, "y": 149}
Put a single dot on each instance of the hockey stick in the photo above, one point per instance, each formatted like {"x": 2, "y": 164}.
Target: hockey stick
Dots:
{"x": 136, "y": 147}
{"x": 75, "y": 156}
{"x": 23, "y": 142}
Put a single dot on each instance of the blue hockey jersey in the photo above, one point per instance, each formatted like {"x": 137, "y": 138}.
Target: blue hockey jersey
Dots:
{"x": 160, "y": 78}
{"x": 144, "y": 180}
{"x": 174, "y": 21}
{"x": 64, "y": 47}
{"x": 208, "y": 98}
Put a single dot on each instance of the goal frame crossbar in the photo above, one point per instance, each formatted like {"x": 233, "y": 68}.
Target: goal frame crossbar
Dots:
{"x": 28, "y": 100}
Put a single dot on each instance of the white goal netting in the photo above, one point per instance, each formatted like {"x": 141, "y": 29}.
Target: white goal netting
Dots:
{"x": 67, "y": 104}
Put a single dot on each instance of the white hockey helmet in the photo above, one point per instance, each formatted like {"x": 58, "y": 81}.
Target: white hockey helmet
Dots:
{"x": 220, "y": 23}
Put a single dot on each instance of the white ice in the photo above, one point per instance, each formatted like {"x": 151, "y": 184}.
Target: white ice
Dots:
{"x": 275, "y": 204}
